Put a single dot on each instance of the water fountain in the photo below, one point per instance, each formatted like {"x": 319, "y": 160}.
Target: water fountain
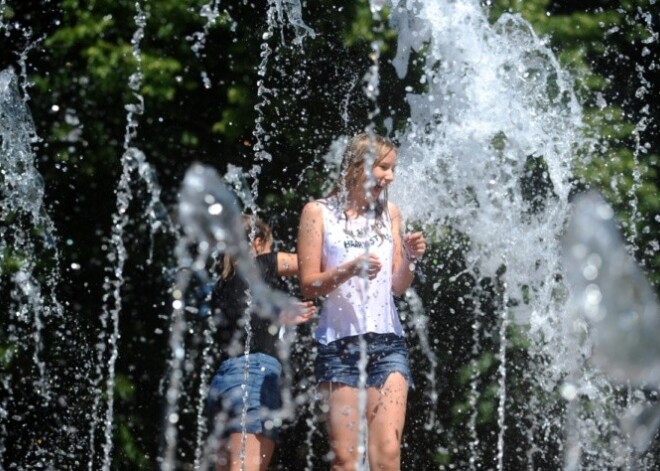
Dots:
{"x": 494, "y": 135}
{"x": 612, "y": 296}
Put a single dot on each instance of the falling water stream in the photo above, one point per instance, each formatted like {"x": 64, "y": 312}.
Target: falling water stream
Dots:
{"x": 34, "y": 289}
{"x": 494, "y": 104}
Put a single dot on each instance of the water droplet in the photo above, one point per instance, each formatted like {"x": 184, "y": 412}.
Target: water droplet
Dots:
{"x": 215, "y": 209}
{"x": 569, "y": 391}
{"x": 590, "y": 272}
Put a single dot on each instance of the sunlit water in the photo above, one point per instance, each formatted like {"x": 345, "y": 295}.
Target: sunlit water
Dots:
{"x": 497, "y": 105}
{"x": 497, "y": 110}
{"x": 492, "y": 140}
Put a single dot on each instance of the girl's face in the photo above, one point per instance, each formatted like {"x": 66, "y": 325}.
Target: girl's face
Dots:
{"x": 383, "y": 173}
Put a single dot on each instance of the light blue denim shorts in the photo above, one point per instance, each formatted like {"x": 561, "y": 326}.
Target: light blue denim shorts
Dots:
{"x": 226, "y": 402}
{"x": 337, "y": 362}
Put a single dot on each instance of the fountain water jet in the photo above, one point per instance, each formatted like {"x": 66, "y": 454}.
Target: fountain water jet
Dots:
{"x": 32, "y": 238}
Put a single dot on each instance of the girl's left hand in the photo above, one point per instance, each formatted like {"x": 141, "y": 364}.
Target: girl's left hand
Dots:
{"x": 414, "y": 244}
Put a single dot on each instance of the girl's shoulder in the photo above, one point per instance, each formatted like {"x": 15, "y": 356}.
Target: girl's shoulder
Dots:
{"x": 314, "y": 207}
{"x": 317, "y": 207}
{"x": 313, "y": 214}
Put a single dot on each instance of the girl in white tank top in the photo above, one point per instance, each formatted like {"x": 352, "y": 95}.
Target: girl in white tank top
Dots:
{"x": 351, "y": 253}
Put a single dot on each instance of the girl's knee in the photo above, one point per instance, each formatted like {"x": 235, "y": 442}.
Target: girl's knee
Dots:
{"x": 385, "y": 455}
{"x": 344, "y": 458}
{"x": 344, "y": 462}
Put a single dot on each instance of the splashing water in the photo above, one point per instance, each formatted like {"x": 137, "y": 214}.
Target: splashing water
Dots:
{"x": 495, "y": 108}
{"x": 133, "y": 162}
{"x": 292, "y": 11}
{"x": 610, "y": 294}
{"x": 645, "y": 19}
{"x": 613, "y": 295}
{"x": 496, "y": 98}
{"x": 274, "y": 17}
{"x": 26, "y": 249}
{"x": 211, "y": 12}
{"x": 497, "y": 105}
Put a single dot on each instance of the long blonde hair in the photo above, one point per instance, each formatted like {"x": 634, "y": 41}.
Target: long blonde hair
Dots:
{"x": 227, "y": 265}
{"x": 354, "y": 161}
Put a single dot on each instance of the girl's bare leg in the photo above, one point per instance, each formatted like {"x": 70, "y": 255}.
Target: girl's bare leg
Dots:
{"x": 258, "y": 452}
{"x": 343, "y": 423}
{"x": 386, "y": 416}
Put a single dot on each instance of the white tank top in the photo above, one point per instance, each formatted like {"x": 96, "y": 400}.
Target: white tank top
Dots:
{"x": 358, "y": 305}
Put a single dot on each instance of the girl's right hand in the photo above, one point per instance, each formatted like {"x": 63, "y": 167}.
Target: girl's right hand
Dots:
{"x": 367, "y": 264}
{"x": 302, "y": 312}
{"x": 307, "y": 310}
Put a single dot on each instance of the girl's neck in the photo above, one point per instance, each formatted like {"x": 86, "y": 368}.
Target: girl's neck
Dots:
{"x": 356, "y": 205}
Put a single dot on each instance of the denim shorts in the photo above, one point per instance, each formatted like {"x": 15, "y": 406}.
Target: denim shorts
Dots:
{"x": 225, "y": 401}
{"x": 337, "y": 362}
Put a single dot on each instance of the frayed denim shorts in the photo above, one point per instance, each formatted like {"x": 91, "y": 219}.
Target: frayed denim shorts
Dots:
{"x": 338, "y": 361}
{"x": 226, "y": 399}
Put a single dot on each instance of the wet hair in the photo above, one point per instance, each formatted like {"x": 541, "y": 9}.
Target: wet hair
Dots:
{"x": 254, "y": 228}
{"x": 355, "y": 158}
